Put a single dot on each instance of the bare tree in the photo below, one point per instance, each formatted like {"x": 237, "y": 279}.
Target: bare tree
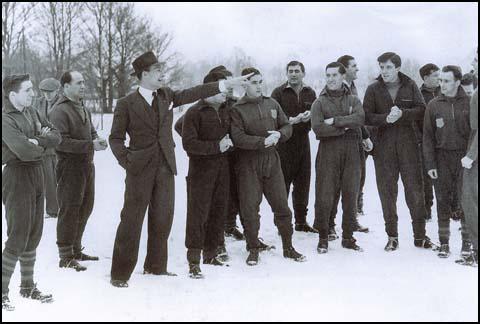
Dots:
{"x": 135, "y": 35}
{"x": 61, "y": 25}
{"x": 14, "y": 18}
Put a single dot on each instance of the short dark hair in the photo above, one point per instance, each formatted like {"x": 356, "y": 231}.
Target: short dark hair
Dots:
{"x": 467, "y": 79}
{"x": 13, "y": 83}
{"x": 345, "y": 60}
{"x": 249, "y": 70}
{"x": 390, "y": 56}
{"x": 66, "y": 78}
{"x": 428, "y": 69}
{"x": 340, "y": 66}
{"x": 456, "y": 70}
{"x": 214, "y": 77}
{"x": 222, "y": 69}
{"x": 295, "y": 63}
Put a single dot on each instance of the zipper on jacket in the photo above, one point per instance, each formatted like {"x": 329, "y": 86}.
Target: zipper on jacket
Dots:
{"x": 453, "y": 112}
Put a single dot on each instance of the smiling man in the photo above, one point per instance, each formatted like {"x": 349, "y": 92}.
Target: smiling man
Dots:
{"x": 258, "y": 125}
{"x": 337, "y": 118}
{"x": 146, "y": 115}
{"x": 393, "y": 103}
{"x": 296, "y": 98}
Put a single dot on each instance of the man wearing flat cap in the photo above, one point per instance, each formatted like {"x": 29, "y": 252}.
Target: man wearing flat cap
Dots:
{"x": 49, "y": 88}
{"x": 146, "y": 115}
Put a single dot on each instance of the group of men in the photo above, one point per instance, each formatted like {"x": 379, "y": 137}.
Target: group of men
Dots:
{"x": 240, "y": 149}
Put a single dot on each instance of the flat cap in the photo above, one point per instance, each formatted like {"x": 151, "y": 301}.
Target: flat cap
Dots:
{"x": 49, "y": 84}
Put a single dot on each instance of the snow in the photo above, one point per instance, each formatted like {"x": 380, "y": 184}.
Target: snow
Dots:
{"x": 408, "y": 285}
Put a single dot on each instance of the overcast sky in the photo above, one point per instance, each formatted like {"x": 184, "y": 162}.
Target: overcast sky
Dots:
{"x": 317, "y": 33}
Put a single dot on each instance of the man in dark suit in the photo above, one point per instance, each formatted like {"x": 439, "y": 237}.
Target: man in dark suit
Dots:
{"x": 146, "y": 115}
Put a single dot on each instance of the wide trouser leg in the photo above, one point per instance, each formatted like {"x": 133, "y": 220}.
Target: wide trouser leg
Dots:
{"x": 23, "y": 197}
{"x": 86, "y": 207}
{"x": 350, "y": 184}
{"x": 327, "y": 184}
{"x": 278, "y": 200}
{"x": 160, "y": 218}
{"x": 301, "y": 183}
{"x": 250, "y": 194}
{"x": 411, "y": 174}
{"x": 138, "y": 193}
{"x": 444, "y": 193}
{"x": 72, "y": 182}
{"x": 387, "y": 174}
{"x": 218, "y": 211}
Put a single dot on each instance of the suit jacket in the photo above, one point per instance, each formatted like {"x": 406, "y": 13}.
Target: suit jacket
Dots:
{"x": 132, "y": 118}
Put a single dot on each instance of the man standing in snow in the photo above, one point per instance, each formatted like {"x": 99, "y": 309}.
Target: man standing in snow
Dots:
{"x": 258, "y": 125}
{"x": 25, "y": 138}
{"x": 296, "y": 98}
{"x": 75, "y": 170}
{"x": 430, "y": 89}
{"x": 394, "y": 104}
{"x": 147, "y": 115}
{"x": 205, "y": 138}
{"x": 49, "y": 88}
{"x": 337, "y": 118}
{"x": 445, "y": 138}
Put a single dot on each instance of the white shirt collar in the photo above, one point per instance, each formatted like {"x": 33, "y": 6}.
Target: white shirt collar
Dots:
{"x": 146, "y": 94}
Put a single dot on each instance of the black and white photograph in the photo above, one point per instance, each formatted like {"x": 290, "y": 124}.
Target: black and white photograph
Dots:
{"x": 239, "y": 162}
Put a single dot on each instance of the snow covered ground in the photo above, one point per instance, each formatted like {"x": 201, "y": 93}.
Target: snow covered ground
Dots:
{"x": 409, "y": 285}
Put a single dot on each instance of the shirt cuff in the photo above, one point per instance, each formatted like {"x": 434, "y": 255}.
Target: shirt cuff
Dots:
{"x": 221, "y": 86}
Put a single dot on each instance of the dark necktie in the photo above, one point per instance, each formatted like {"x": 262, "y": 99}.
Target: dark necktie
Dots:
{"x": 154, "y": 101}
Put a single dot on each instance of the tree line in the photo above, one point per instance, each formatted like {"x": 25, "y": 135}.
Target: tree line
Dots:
{"x": 100, "y": 39}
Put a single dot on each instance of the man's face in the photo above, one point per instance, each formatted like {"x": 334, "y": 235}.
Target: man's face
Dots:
{"x": 218, "y": 99}
{"x": 448, "y": 84}
{"x": 352, "y": 70}
{"x": 49, "y": 95}
{"x": 153, "y": 78}
{"x": 76, "y": 88}
{"x": 253, "y": 87}
{"x": 432, "y": 80}
{"x": 295, "y": 75}
{"x": 334, "y": 79}
{"x": 475, "y": 64}
{"x": 24, "y": 96}
{"x": 388, "y": 71}
{"x": 469, "y": 89}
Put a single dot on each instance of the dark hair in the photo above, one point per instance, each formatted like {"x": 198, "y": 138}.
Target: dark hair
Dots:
{"x": 428, "y": 69}
{"x": 456, "y": 70}
{"x": 345, "y": 60}
{"x": 214, "y": 77}
{"x": 13, "y": 83}
{"x": 66, "y": 78}
{"x": 249, "y": 70}
{"x": 467, "y": 79}
{"x": 222, "y": 69}
{"x": 396, "y": 60}
{"x": 340, "y": 66}
{"x": 294, "y": 63}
